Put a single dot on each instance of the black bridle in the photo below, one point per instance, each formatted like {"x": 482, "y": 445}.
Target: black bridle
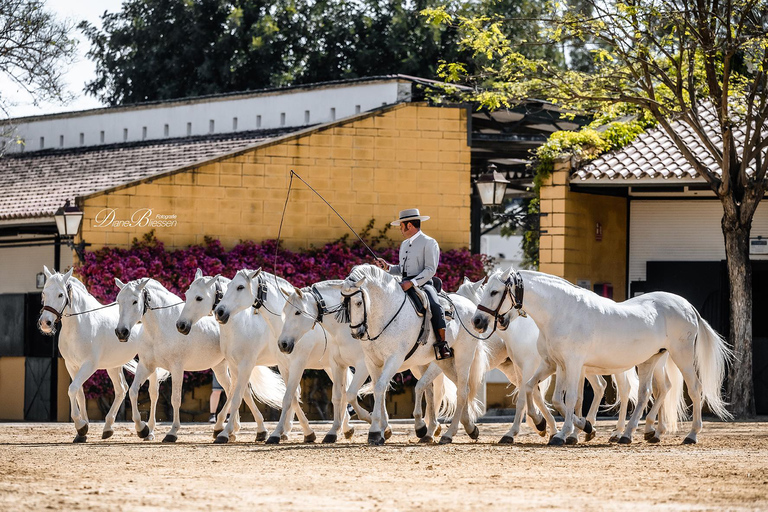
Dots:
{"x": 364, "y": 323}
{"x": 218, "y": 294}
{"x": 261, "y": 295}
{"x": 513, "y": 287}
{"x": 59, "y": 314}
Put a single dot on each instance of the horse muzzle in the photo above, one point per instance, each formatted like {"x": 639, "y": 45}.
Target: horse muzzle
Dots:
{"x": 222, "y": 316}
{"x": 46, "y": 327}
{"x": 286, "y": 346}
{"x": 480, "y": 322}
{"x": 122, "y": 334}
{"x": 357, "y": 332}
{"x": 183, "y": 327}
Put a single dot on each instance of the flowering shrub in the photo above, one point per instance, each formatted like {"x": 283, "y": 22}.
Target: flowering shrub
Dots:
{"x": 176, "y": 269}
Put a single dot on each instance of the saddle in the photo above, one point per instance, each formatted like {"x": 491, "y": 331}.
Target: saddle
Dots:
{"x": 420, "y": 303}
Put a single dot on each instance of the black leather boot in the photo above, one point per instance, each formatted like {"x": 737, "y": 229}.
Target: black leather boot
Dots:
{"x": 442, "y": 350}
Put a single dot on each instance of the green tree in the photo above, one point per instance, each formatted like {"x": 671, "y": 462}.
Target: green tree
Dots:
{"x": 675, "y": 60}
{"x": 34, "y": 50}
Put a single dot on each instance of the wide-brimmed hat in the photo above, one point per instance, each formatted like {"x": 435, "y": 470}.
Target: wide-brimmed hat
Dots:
{"x": 409, "y": 214}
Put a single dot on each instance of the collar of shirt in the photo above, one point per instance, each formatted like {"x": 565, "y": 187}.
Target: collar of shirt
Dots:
{"x": 413, "y": 238}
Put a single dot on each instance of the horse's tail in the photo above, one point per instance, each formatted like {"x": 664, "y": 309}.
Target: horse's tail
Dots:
{"x": 366, "y": 389}
{"x": 712, "y": 355}
{"x": 480, "y": 365}
{"x": 267, "y": 386}
{"x": 162, "y": 375}
{"x": 450, "y": 396}
{"x": 674, "y": 408}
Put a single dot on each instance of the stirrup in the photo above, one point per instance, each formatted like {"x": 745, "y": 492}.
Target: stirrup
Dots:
{"x": 438, "y": 355}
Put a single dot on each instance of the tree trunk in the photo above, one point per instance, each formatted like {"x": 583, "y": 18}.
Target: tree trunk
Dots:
{"x": 741, "y": 389}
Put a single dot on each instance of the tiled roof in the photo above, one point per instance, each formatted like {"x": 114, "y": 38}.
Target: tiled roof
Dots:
{"x": 654, "y": 155}
{"x": 36, "y": 184}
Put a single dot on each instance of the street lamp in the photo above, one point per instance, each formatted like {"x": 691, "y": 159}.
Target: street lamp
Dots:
{"x": 68, "y": 219}
{"x": 492, "y": 186}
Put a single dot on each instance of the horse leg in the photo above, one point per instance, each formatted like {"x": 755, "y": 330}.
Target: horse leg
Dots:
{"x": 598, "y": 387}
{"x": 457, "y": 369}
{"x": 77, "y": 407}
{"x": 361, "y": 373}
{"x": 338, "y": 376}
{"x": 222, "y": 372}
{"x": 235, "y": 389}
{"x": 261, "y": 429}
{"x": 154, "y": 393}
{"x": 142, "y": 372}
{"x": 644, "y": 372}
{"x": 573, "y": 376}
{"x": 622, "y": 387}
{"x": 423, "y": 385}
{"x": 379, "y": 416}
{"x": 177, "y": 376}
{"x": 525, "y": 399}
{"x": 435, "y": 395}
{"x": 121, "y": 388}
{"x": 661, "y": 387}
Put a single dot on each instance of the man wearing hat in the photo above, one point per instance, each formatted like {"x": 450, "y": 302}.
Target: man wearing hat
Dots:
{"x": 419, "y": 256}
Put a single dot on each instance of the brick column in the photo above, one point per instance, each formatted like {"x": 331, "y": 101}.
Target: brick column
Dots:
{"x": 555, "y": 192}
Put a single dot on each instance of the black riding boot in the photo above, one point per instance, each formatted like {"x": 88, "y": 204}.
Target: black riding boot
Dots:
{"x": 442, "y": 350}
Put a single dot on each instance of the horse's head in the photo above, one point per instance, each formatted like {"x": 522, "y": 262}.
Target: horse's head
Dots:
{"x": 202, "y": 297}
{"x": 299, "y": 312}
{"x": 470, "y": 290}
{"x": 355, "y": 301}
{"x": 132, "y": 302}
{"x": 239, "y": 296}
{"x": 56, "y": 297}
{"x": 497, "y": 302}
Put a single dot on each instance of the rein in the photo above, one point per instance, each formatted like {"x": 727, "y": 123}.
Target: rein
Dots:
{"x": 513, "y": 287}
{"x": 147, "y": 307}
{"x": 68, "y": 302}
{"x": 364, "y": 323}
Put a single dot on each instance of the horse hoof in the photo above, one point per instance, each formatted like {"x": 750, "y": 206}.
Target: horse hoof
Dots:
{"x": 654, "y": 440}
{"x": 273, "y": 440}
{"x": 590, "y": 436}
{"x": 216, "y": 432}
{"x": 82, "y": 430}
{"x": 170, "y": 438}
{"x": 541, "y": 427}
{"x": 261, "y": 436}
{"x": 475, "y": 434}
{"x": 571, "y": 440}
{"x": 446, "y": 440}
{"x": 556, "y": 441}
{"x": 310, "y": 438}
{"x": 648, "y": 435}
{"x": 421, "y": 431}
{"x": 329, "y": 439}
{"x": 79, "y": 439}
{"x": 143, "y": 433}
{"x": 507, "y": 440}
{"x": 218, "y": 440}
{"x": 374, "y": 438}
{"x": 349, "y": 433}
{"x": 426, "y": 440}
{"x": 107, "y": 434}
{"x": 689, "y": 440}
{"x": 283, "y": 437}
{"x": 614, "y": 438}
{"x": 387, "y": 433}
{"x": 587, "y": 427}
{"x": 625, "y": 440}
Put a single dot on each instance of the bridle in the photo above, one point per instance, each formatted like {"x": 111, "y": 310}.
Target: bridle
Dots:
{"x": 218, "y": 294}
{"x": 59, "y": 314}
{"x": 261, "y": 296}
{"x": 364, "y": 323}
{"x": 513, "y": 287}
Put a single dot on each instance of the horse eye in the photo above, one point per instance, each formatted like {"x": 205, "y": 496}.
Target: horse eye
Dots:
{"x": 240, "y": 288}
{"x": 359, "y": 303}
{"x": 199, "y": 298}
{"x": 61, "y": 295}
{"x": 135, "y": 302}
{"x": 494, "y": 293}
{"x": 297, "y": 313}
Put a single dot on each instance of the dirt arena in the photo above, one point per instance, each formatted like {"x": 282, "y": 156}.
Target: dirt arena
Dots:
{"x": 41, "y": 469}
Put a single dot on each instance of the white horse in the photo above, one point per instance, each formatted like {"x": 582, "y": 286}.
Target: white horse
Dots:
{"x": 242, "y": 339}
{"x": 317, "y": 305}
{"x": 256, "y": 292}
{"x": 388, "y": 331}
{"x": 162, "y": 346}
{"x": 87, "y": 343}
{"x": 581, "y": 331}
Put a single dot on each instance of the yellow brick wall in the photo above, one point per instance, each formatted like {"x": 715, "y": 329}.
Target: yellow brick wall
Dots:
{"x": 410, "y": 155}
{"x": 12, "y": 374}
{"x": 569, "y": 248}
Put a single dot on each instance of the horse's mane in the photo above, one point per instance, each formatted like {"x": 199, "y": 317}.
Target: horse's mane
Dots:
{"x": 269, "y": 278}
{"x": 372, "y": 272}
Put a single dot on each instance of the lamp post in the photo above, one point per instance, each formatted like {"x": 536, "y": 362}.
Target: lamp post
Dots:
{"x": 68, "y": 219}
{"x": 492, "y": 186}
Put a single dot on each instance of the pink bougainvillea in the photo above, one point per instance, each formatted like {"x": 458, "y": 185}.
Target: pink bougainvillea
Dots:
{"x": 175, "y": 269}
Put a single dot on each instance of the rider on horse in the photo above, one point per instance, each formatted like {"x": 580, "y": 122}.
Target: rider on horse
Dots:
{"x": 419, "y": 256}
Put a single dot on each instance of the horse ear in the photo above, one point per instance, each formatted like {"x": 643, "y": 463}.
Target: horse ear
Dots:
{"x": 143, "y": 284}
{"x": 68, "y": 274}
{"x": 298, "y": 292}
{"x": 119, "y": 283}
{"x": 198, "y": 274}
{"x": 505, "y": 275}
{"x": 47, "y": 272}
{"x": 485, "y": 280}
{"x": 466, "y": 280}
{"x": 360, "y": 282}
{"x": 255, "y": 273}
{"x": 287, "y": 294}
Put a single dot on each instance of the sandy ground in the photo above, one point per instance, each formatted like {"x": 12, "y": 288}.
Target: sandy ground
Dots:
{"x": 41, "y": 469}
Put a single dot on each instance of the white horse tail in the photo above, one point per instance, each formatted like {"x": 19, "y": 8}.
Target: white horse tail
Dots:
{"x": 448, "y": 404}
{"x": 162, "y": 375}
{"x": 674, "y": 408}
{"x": 634, "y": 384}
{"x": 480, "y": 365}
{"x": 267, "y": 386}
{"x": 131, "y": 366}
{"x": 712, "y": 355}
{"x": 366, "y": 389}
